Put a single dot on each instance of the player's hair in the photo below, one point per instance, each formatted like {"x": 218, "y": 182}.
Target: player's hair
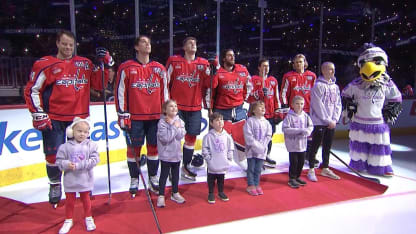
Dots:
{"x": 215, "y": 116}
{"x": 136, "y": 41}
{"x": 64, "y": 32}
{"x": 222, "y": 55}
{"x": 165, "y": 105}
{"x": 187, "y": 39}
{"x": 253, "y": 106}
{"x": 262, "y": 60}
{"x": 297, "y": 98}
{"x": 300, "y": 56}
{"x": 325, "y": 64}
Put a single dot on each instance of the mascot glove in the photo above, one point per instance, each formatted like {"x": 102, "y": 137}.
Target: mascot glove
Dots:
{"x": 41, "y": 121}
{"x": 104, "y": 56}
{"x": 124, "y": 121}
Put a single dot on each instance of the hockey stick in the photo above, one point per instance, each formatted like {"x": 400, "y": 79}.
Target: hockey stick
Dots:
{"x": 106, "y": 132}
{"x": 149, "y": 199}
{"x": 355, "y": 171}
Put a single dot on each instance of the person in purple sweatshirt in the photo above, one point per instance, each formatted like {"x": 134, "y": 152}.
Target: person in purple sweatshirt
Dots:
{"x": 77, "y": 158}
{"x": 257, "y": 135}
{"x": 325, "y": 112}
{"x": 297, "y": 126}
{"x": 170, "y": 132}
{"x": 217, "y": 150}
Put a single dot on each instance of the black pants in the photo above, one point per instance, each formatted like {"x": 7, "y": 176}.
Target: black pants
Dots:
{"x": 296, "y": 161}
{"x": 211, "y": 182}
{"x": 324, "y": 135}
{"x": 164, "y": 173}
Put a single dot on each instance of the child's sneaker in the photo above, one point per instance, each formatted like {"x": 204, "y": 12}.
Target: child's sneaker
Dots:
{"x": 252, "y": 191}
{"x": 259, "y": 190}
{"x": 211, "y": 198}
{"x": 66, "y": 226}
{"x": 89, "y": 222}
{"x": 328, "y": 173}
{"x": 293, "y": 183}
{"x": 223, "y": 196}
{"x": 176, "y": 197}
{"x": 160, "y": 201}
{"x": 311, "y": 175}
{"x": 301, "y": 182}
{"x": 389, "y": 174}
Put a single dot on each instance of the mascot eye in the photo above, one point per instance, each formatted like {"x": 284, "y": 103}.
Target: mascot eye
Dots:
{"x": 378, "y": 60}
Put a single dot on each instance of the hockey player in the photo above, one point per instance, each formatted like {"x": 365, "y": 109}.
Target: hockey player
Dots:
{"x": 266, "y": 89}
{"x": 298, "y": 83}
{"x": 231, "y": 86}
{"x": 371, "y": 101}
{"x": 58, "y": 90}
{"x": 187, "y": 76}
{"x": 140, "y": 90}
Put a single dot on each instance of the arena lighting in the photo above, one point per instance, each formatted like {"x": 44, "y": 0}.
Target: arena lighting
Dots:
{"x": 400, "y": 148}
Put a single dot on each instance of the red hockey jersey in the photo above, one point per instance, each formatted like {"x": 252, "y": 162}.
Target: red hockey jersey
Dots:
{"x": 141, "y": 89}
{"x": 272, "y": 100}
{"x": 187, "y": 81}
{"x": 231, "y": 89}
{"x": 61, "y": 88}
{"x": 296, "y": 84}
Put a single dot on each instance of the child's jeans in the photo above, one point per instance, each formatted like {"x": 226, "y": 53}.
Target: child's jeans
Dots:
{"x": 254, "y": 166}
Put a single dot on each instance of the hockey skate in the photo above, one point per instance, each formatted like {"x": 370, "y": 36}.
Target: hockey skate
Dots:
{"x": 55, "y": 194}
{"x": 270, "y": 163}
{"x": 188, "y": 174}
{"x": 134, "y": 187}
{"x": 154, "y": 184}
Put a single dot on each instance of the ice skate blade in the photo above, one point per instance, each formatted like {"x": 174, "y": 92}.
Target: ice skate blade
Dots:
{"x": 188, "y": 177}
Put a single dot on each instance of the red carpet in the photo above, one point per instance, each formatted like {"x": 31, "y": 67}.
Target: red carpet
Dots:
{"x": 126, "y": 215}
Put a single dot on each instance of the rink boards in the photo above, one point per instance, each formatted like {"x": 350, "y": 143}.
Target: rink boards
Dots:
{"x": 21, "y": 150}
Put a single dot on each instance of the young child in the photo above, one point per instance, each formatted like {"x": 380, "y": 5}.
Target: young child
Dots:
{"x": 170, "y": 132}
{"x": 297, "y": 126}
{"x": 77, "y": 158}
{"x": 217, "y": 150}
{"x": 257, "y": 135}
{"x": 325, "y": 112}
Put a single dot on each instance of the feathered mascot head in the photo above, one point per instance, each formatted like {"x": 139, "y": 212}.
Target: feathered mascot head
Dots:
{"x": 372, "y": 63}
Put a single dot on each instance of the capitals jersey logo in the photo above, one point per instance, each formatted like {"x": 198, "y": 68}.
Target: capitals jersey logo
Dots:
{"x": 147, "y": 84}
{"x": 74, "y": 80}
{"x": 304, "y": 88}
{"x": 192, "y": 81}
{"x": 234, "y": 86}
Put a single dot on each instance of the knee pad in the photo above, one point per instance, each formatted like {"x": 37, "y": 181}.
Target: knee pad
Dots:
{"x": 50, "y": 159}
{"x": 190, "y": 140}
{"x": 151, "y": 150}
{"x": 133, "y": 151}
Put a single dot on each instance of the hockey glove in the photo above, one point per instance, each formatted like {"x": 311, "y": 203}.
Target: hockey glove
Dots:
{"x": 124, "y": 121}
{"x": 391, "y": 111}
{"x": 41, "y": 121}
{"x": 104, "y": 56}
{"x": 349, "y": 106}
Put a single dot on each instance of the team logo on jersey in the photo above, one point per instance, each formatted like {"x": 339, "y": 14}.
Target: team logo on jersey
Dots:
{"x": 133, "y": 72}
{"x": 73, "y": 80}
{"x": 309, "y": 77}
{"x": 157, "y": 70}
{"x": 56, "y": 70}
{"x": 207, "y": 71}
{"x": 148, "y": 84}
{"x": 242, "y": 74}
{"x": 192, "y": 81}
{"x": 304, "y": 88}
{"x": 273, "y": 83}
{"x": 200, "y": 67}
{"x": 235, "y": 87}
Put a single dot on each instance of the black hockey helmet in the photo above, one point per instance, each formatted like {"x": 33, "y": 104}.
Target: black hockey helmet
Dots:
{"x": 197, "y": 160}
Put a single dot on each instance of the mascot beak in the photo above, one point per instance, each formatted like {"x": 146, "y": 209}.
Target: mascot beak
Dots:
{"x": 370, "y": 71}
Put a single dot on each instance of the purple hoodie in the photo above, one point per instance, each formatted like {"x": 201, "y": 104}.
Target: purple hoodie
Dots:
{"x": 217, "y": 149}
{"x": 257, "y": 135}
{"x": 169, "y": 140}
{"x": 296, "y": 129}
{"x": 85, "y": 156}
{"x": 325, "y": 102}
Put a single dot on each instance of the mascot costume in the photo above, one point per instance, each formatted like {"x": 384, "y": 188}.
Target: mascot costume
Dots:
{"x": 370, "y": 102}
